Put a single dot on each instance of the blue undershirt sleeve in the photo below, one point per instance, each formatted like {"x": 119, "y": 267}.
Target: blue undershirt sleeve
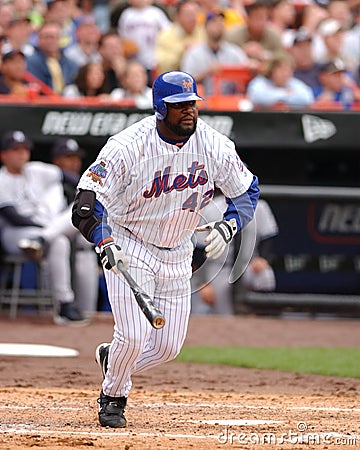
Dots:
{"x": 102, "y": 230}
{"x": 242, "y": 208}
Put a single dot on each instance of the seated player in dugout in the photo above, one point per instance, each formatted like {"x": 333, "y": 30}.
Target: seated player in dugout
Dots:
{"x": 35, "y": 221}
{"x": 140, "y": 202}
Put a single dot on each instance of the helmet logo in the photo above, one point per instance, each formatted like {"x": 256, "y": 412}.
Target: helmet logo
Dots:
{"x": 187, "y": 85}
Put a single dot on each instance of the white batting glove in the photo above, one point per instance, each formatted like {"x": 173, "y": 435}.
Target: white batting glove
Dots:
{"x": 221, "y": 234}
{"x": 110, "y": 255}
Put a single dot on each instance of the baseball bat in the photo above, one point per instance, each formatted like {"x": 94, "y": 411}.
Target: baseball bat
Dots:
{"x": 151, "y": 312}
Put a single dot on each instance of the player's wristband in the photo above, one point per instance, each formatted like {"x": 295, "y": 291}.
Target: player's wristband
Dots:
{"x": 105, "y": 241}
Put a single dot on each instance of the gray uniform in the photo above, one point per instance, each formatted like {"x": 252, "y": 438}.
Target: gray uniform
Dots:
{"x": 217, "y": 271}
{"x": 38, "y": 193}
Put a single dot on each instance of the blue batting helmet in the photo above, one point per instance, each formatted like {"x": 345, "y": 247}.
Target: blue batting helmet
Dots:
{"x": 173, "y": 87}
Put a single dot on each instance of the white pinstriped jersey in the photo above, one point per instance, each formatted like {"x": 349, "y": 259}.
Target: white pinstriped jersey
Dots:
{"x": 141, "y": 26}
{"x": 157, "y": 190}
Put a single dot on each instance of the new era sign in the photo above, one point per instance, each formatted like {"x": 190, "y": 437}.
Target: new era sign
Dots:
{"x": 316, "y": 128}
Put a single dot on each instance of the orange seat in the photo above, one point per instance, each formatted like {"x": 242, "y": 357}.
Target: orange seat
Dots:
{"x": 355, "y": 106}
{"x": 279, "y": 106}
{"x": 227, "y": 103}
{"x": 60, "y": 101}
{"x": 326, "y": 105}
{"x": 239, "y": 75}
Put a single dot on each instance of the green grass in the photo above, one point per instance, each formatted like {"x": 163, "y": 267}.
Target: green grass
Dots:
{"x": 342, "y": 362}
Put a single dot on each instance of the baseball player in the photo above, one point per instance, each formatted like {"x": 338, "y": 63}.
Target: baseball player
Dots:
{"x": 34, "y": 218}
{"x": 139, "y": 203}
{"x": 212, "y": 292}
{"x": 68, "y": 156}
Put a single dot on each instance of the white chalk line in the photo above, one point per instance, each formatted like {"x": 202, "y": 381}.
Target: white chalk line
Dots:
{"x": 232, "y": 422}
{"x": 191, "y": 405}
{"x": 24, "y": 429}
{"x": 264, "y": 407}
{"x": 353, "y": 439}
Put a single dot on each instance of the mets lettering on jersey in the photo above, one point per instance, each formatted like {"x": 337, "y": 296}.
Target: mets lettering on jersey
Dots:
{"x": 161, "y": 190}
{"x": 160, "y": 183}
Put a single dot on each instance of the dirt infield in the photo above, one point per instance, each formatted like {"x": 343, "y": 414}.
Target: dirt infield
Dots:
{"x": 50, "y": 403}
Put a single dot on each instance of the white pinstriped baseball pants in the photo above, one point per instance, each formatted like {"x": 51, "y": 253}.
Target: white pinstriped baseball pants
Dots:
{"x": 136, "y": 346}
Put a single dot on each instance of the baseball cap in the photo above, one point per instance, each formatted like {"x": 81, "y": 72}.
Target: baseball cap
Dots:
{"x": 9, "y": 55}
{"x": 322, "y": 3}
{"x": 302, "y": 35}
{"x": 329, "y": 27}
{"x": 14, "y": 139}
{"x": 212, "y": 15}
{"x": 333, "y": 66}
{"x": 66, "y": 147}
{"x": 51, "y": 2}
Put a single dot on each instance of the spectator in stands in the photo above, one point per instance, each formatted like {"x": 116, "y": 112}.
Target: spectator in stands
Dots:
{"x": 12, "y": 77}
{"x": 60, "y": 12}
{"x": 172, "y": 42}
{"x": 89, "y": 82}
{"x": 16, "y": 80}
{"x": 48, "y": 63}
{"x": 86, "y": 47}
{"x": 35, "y": 12}
{"x": 336, "y": 85}
{"x": 310, "y": 15}
{"x": 212, "y": 292}
{"x": 327, "y": 40}
{"x": 113, "y": 59}
{"x": 306, "y": 69}
{"x": 17, "y": 35}
{"x": 33, "y": 203}
{"x": 6, "y": 15}
{"x": 278, "y": 86}
{"x": 282, "y": 17}
{"x": 258, "y": 38}
{"x": 134, "y": 86}
{"x": 140, "y": 23}
{"x": 117, "y": 9}
{"x": 203, "y": 60}
{"x": 30, "y": 9}
{"x": 101, "y": 12}
{"x": 80, "y": 11}
{"x": 340, "y": 11}
{"x": 351, "y": 43}
{"x": 328, "y": 45}
{"x": 233, "y": 10}
{"x": 68, "y": 156}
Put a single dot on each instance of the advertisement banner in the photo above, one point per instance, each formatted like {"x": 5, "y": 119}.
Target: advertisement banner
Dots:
{"x": 317, "y": 249}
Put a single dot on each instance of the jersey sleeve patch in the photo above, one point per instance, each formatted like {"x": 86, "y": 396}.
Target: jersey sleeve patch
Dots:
{"x": 97, "y": 173}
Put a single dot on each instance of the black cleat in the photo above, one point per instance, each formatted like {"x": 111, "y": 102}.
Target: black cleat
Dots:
{"x": 102, "y": 357}
{"x": 69, "y": 315}
{"x": 111, "y": 411}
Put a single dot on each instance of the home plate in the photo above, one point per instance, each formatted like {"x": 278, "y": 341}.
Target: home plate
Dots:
{"x": 36, "y": 350}
{"x": 236, "y": 422}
